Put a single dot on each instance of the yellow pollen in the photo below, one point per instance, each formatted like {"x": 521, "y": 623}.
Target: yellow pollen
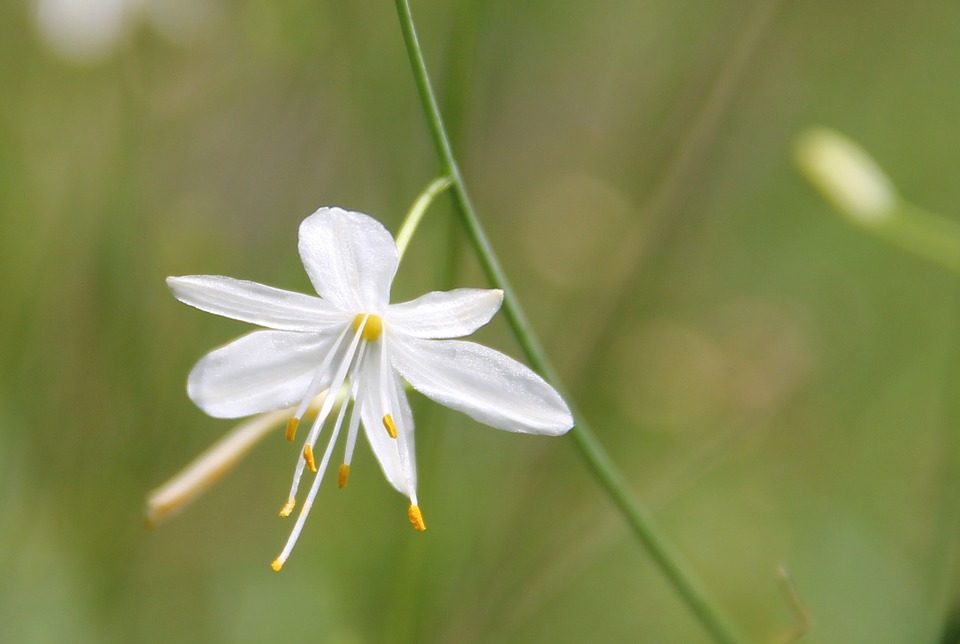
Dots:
{"x": 308, "y": 457}
{"x": 416, "y": 518}
{"x": 343, "y": 475}
{"x": 288, "y": 507}
{"x": 372, "y": 329}
{"x": 391, "y": 428}
{"x": 277, "y": 564}
{"x": 292, "y": 425}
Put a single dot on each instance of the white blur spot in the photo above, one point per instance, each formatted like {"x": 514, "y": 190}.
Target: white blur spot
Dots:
{"x": 89, "y": 31}
{"x": 82, "y": 31}
{"x": 846, "y": 175}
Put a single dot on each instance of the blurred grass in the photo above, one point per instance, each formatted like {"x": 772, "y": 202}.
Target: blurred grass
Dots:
{"x": 776, "y": 384}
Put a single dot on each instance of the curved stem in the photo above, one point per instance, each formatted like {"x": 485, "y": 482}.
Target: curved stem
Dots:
{"x": 923, "y": 233}
{"x": 418, "y": 210}
{"x": 641, "y": 521}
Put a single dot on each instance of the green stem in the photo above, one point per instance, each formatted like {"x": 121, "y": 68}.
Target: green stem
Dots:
{"x": 418, "y": 210}
{"x": 642, "y": 522}
{"x": 923, "y": 233}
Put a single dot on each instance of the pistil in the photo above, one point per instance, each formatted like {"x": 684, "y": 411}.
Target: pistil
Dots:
{"x": 373, "y": 327}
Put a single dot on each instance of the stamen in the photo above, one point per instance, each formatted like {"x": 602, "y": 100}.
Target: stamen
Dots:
{"x": 391, "y": 427}
{"x": 391, "y": 391}
{"x": 308, "y": 457}
{"x": 343, "y": 475}
{"x": 315, "y": 384}
{"x": 292, "y": 425}
{"x": 416, "y": 518}
{"x": 373, "y": 327}
{"x": 278, "y": 564}
{"x": 358, "y": 398}
{"x": 338, "y": 379}
{"x": 288, "y": 507}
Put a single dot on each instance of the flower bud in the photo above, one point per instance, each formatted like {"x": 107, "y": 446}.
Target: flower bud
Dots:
{"x": 845, "y": 175}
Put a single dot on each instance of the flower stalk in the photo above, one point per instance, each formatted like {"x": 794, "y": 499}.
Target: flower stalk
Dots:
{"x": 419, "y": 208}
{"x": 858, "y": 188}
{"x": 640, "y": 519}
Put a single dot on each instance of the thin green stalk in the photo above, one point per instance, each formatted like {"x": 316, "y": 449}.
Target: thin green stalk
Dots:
{"x": 923, "y": 233}
{"x": 418, "y": 210}
{"x": 666, "y": 555}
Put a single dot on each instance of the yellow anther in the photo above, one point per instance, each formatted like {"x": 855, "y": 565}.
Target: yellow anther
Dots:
{"x": 288, "y": 507}
{"x": 372, "y": 329}
{"x": 277, "y": 564}
{"x": 416, "y": 518}
{"x": 292, "y": 425}
{"x": 308, "y": 457}
{"x": 391, "y": 428}
{"x": 343, "y": 475}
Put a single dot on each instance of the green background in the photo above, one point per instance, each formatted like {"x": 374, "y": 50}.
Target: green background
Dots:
{"x": 776, "y": 385}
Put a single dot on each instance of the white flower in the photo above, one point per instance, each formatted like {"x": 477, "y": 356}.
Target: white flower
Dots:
{"x": 352, "y": 338}
{"x": 89, "y": 31}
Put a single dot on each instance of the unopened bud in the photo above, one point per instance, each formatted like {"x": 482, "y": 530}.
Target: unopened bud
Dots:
{"x": 845, "y": 175}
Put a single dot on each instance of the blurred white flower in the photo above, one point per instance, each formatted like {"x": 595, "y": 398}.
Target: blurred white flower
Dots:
{"x": 89, "y": 31}
{"x": 83, "y": 30}
{"x": 352, "y": 338}
{"x": 846, "y": 175}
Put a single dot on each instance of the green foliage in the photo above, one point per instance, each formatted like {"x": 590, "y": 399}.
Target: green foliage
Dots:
{"x": 778, "y": 385}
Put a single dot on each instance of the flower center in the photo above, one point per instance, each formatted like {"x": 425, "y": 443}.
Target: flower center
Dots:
{"x": 372, "y": 329}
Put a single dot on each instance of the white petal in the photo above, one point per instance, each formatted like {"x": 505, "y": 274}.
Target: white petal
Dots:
{"x": 255, "y": 303}
{"x": 386, "y": 449}
{"x": 446, "y": 314}
{"x": 405, "y": 430}
{"x": 482, "y": 383}
{"x": 261, "y": 371}
{"x": 350, "y": 258}
{"x": 399, "y": 408}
